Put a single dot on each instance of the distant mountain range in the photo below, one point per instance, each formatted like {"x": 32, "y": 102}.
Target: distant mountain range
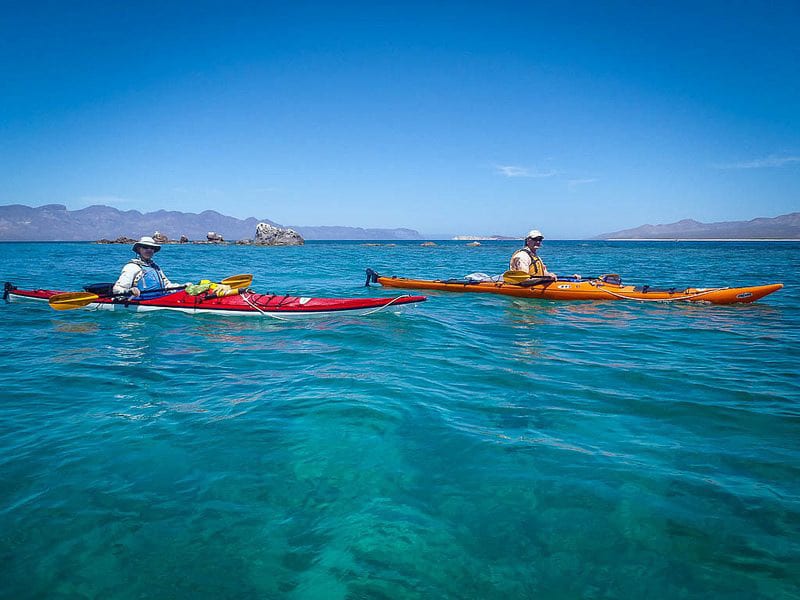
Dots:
{"x": 54, "y": 222}
{"x": 785, "y": 227}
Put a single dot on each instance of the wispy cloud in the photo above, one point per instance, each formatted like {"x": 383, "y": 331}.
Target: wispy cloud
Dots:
{"x": 513, "y": 171}
{"x": 573, "y": 183}
{"x": 771, "y": 161}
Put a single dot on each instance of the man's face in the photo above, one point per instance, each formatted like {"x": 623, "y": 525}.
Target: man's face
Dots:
{"x": 534, "y": 243}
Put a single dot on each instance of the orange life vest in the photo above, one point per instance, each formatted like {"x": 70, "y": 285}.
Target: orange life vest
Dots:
{"x": 537, "y": 267}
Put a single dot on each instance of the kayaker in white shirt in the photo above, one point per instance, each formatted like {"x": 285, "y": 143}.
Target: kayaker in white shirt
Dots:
{"x": 142, "y": 276}
{"x": 525, "y": 259}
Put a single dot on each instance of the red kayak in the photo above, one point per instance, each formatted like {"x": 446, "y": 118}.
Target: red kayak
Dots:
{"x": 244, "y": 303}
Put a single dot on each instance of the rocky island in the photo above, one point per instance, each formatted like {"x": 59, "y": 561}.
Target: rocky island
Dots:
{"x": 266, "y": 235}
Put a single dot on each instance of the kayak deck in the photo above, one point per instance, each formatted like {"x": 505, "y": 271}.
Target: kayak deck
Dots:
{"x": 585, "y": 289}
{"x": 245, "y": 303}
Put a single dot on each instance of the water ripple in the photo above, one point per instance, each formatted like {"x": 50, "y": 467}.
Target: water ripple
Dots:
{"x": 476, "y": 447}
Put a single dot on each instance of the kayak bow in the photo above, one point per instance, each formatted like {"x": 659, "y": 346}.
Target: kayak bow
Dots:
{"x": 584, "y": 289}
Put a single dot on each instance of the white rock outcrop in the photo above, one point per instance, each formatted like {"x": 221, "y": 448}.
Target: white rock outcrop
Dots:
{"x": 269, "y": 235}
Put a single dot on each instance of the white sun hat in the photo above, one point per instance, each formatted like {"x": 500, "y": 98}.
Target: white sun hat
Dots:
{"x": 147, "y": 241}
{"x": 534, "y": 233}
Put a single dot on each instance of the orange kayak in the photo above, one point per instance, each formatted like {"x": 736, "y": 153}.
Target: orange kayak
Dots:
{"x": 584, "y": 289}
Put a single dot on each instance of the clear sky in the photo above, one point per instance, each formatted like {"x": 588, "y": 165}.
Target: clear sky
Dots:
{"x": 446, "y": 117}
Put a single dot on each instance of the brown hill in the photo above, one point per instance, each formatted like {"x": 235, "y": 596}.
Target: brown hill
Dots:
{"x": 53, "y": 222}
{"x": 782, "y": 227}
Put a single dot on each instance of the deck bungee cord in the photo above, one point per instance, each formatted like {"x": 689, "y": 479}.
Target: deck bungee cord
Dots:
{"x": 689, "y": 297}
{"x": 387, "y": 305}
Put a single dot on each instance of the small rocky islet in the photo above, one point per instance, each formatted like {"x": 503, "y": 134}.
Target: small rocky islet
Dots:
{"x": 265, "y": 235}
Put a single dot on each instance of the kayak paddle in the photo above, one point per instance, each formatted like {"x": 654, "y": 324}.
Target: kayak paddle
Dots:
{"x": 515, "y": 276}
{"x": 238, "y": 281}
{"x": 71, "y": 300}
{"x": 525, "y": 279}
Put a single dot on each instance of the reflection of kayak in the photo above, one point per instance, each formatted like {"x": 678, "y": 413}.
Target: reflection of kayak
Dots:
{"x": 585, "y": 289}
{"x": 245, "y": 303}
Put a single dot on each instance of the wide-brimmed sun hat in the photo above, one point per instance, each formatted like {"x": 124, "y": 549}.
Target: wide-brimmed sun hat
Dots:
{"x": 533, "y": 234}
{"x": 147, "y": 241}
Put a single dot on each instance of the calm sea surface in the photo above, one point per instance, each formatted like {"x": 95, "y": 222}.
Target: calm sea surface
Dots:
{"x": 471, "y": 447}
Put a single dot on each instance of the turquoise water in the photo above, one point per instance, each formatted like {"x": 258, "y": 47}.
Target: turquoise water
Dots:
{"x": 471, "y": 447}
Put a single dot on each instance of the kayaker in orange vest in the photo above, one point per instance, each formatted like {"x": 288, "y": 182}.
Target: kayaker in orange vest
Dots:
{"x": 526, "y": 260}
{"x": 142, "y": 276}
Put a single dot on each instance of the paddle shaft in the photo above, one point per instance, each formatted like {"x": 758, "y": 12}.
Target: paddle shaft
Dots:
{"x": 175, "y": 288}
{"x": 233, "y": 281}
{"x": 547, "y": 280}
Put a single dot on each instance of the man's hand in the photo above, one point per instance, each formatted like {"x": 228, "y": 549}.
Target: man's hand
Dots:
{"x": 135, "y": 291}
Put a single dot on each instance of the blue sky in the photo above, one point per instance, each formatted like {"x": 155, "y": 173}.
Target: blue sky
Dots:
{"x": 448, "y": 118}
